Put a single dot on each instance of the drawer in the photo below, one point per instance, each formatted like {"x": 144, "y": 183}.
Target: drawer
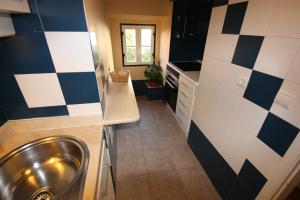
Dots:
{"x": 187, "y": 86}
{"x": 182, "y": 107}
{"x": 183, "y": 120}
{"x": 184, "y": 98}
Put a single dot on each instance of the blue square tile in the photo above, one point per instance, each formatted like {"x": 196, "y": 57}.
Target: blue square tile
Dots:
{"x": 49, "y": 111}
{"x": 225, "y": 178}
{"x": 247, "y": 50}
{"x": 234, "y": 18}
{"x": 29, "y": 22}
{"x": 79, "y": 88}
{"x": 277, "y": 134}
{"x": 3, "y": 118}
{"x": 11, "y": 96}
{"x": 5, "y": 68}
{"x": 28, "y": 53}
{"x": 240, "y": 191}
{"x": 262, "y": 89}
{"x": 252, "y": 177}
{"x": 14, "y": 114}
{"x": 62, "y": 15}
{"x": 220, "y": 2}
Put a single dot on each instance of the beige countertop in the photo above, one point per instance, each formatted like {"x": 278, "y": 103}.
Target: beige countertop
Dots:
{"x": 16, "y": 133}
{"x": 191, "y": 75}
{"x": 121, "y": 106}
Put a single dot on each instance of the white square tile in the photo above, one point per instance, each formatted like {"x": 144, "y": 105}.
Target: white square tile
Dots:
{"x": 40, "y": 90}
{"x": 276, "y": 56}
{"x": 70, "y": 51}
{"x": 85, "y": 109}
{"x": 291, "y": 114}
{"x": 257, "y": 17}
{"x": 262, "y": 157}
{"x": 221, "y": 46}
{"x": 285, "y": 21}
{"x": 217, "y": 19}
{"x": 294, "y": 71}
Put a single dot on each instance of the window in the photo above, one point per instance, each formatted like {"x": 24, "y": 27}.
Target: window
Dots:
{"x": 138, "y": 44}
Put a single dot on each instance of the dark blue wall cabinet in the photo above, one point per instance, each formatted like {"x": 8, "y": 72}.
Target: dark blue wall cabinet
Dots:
{"x": 231, "y": 186}
{"x": 190, "y": 23}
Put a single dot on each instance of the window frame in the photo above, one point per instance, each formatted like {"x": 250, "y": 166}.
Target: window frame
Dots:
{"x": 137, "y": 26}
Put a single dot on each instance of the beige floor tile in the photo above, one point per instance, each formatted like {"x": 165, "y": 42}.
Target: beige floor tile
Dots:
{"x": 197, "y": 185}
{"x": 131, "y": 168}
{"x": 136, "y": 188}
{"x": 166, "y": 186}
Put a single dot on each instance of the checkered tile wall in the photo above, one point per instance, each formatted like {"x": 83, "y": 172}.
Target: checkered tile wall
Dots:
{"x": 258, "y": 42}
{"x": 47, "y": 68}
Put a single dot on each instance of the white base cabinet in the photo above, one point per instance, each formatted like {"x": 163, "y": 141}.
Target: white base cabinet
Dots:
{"x": 185, "y": 101}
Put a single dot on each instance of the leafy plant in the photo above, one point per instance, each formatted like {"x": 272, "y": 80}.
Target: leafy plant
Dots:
{"x": 153, "y": 73}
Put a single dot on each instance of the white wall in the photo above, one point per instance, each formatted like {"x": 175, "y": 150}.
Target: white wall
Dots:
{"x": 230, "y": 121}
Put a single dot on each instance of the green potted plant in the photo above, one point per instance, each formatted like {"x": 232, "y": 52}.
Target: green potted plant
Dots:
{"x": 153, "y": 74}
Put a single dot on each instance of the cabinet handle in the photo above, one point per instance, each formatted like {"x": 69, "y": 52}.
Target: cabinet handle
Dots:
{"x": 184, "y": 84}
{"x": 182, "y": 103}
{"x": 184, "y": 94}
{"x": 181, "y": 112}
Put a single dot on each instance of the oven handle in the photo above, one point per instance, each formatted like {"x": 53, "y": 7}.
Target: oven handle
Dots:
{"x": 171, "y": 85}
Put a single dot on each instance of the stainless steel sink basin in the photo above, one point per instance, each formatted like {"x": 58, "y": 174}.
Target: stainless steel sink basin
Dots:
{"x": 48, "y": 168}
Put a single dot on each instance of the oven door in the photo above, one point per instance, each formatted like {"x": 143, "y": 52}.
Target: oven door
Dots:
{"x": 171, "y": 92}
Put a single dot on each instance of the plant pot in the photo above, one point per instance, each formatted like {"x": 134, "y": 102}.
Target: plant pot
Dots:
{"x": 153, "y": 83}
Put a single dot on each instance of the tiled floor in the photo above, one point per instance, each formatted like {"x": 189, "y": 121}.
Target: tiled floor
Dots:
{"x": 155, "y": 162}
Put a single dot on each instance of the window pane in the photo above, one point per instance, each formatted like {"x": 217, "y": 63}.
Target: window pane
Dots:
{"x": 146, "y": 37}
{"x": 131, "y": 54}
{"x": 130, "y": 36}
{"x": 146, "y": 54}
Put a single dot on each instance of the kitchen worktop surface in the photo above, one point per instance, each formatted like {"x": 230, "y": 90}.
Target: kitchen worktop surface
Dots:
{"x": 121, "y": 106}
{"x": 191, "y": 75}
{"x": 87, "y": 128}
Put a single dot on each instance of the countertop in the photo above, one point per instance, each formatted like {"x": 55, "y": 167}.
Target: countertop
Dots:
{"x": 121, "y": 106}
{"x": 17, "y": 133}
{"x": 191, "y": 75}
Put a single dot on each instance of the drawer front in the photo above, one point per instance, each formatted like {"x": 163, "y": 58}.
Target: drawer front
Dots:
{"x": 183, "y": 108}
{"x": 184, "y": 98}
{"x": 182, "y": 119}
{"x": 187, "y": 86}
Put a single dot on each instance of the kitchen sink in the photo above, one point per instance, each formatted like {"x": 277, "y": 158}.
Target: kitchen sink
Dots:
{"x": 44, "y": 169}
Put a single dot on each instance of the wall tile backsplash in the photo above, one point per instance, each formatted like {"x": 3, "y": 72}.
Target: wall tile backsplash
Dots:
{"x": 251, "y": 127}
{"x": 47, "y": 68}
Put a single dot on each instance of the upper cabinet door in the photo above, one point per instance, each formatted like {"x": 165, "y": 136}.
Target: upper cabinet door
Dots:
{"x": 14, "y": 6}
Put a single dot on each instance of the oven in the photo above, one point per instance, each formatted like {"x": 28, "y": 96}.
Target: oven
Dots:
{"x": 171, "y": 87}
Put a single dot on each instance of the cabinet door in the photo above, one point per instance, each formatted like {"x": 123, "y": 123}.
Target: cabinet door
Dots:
{"x": 19, "y": 6}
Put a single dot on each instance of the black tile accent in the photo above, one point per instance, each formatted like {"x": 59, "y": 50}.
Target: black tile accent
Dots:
{"x": 220, "y": 2}
{"x": 3, "y": 118}
{"x": 252, "y": 177}
{"x": 28, "y": 22}
{"x": 79, "y": 87}
{"x": 5, "y": 68}
{"x": 262, "y": 89}
{"x": 277, "y": 134}
{"x": 22, "y": 113}
{"x": 217, "y": 169}
{"x": 11, "y": 96}
{"x": 62, "y": 15}
{"x": 244, "y": 186}
{"x": 139, "y": 87}
{"x": 247, "y": 50}
{"x": 49, "y": 111}
{"x": 28, "y": 53}
{"x": 234, "y": 18}
{"x": 240, "y": 191}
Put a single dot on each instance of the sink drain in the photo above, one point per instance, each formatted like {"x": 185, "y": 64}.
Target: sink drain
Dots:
{"x": 43, "y": 195}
